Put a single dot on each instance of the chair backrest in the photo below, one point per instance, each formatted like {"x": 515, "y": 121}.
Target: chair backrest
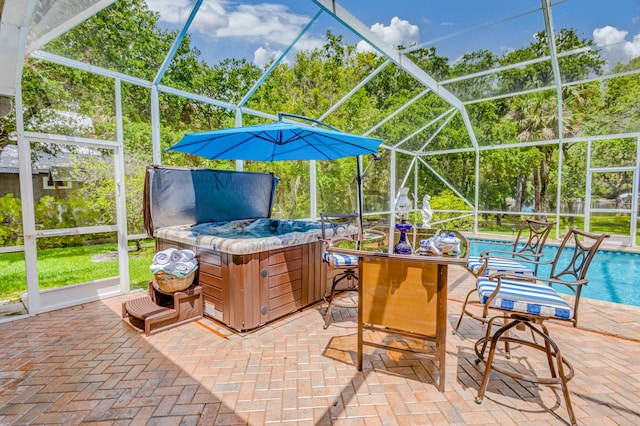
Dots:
{"x": 342, "y": 227}
{"x": 537, "y": 232}
{"x": 575, "y": 268}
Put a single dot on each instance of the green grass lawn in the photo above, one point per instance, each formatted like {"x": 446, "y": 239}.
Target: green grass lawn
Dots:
{"x": 72, "y": 265}
{"x": 615, "y": 225}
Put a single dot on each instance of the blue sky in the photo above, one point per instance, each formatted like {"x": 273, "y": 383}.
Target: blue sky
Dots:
{"x": 261, "y": 30}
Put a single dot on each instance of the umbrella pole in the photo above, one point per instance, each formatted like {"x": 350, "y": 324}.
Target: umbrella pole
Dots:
{"x": 359, "y": 178}
{"x": 359, "y": 175}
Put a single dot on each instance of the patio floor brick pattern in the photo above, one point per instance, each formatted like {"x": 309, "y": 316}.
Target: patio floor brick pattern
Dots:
{"x": 85, "y": 365}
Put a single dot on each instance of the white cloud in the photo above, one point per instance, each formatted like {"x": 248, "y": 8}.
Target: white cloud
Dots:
{"x": 615, "y": 46}
{"x": 176, "y": 12}
{"x": 262, "y": 24}
{"x": 310, "y": 43}
{"x": 262, "y": 56}
{"x": 210, "y": 18}
{"x": 399, "y": 32}
{"x": 270, "y": 22}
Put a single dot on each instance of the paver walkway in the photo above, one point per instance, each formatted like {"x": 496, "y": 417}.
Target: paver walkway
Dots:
{"x": 86, "y": 365}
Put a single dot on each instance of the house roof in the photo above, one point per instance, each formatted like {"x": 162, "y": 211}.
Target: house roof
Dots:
{"x": 44, "y": 163}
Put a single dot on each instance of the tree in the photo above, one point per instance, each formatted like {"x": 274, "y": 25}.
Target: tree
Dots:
{"x": 536, "y": 114}
{"x": 478, "y": 87}
{"x": 619, "y": 109}
{"x": 10, "y": 220}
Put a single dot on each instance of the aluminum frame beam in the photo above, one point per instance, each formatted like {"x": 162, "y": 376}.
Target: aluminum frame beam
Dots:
{"x": 512, "y": 66}
{"x": 450, "y": 112}
{"x": 468, "y": 30}
{"x": 355, "y": 89}
{"x": 555, "y": 67}
{"x": 455, "y": 191}
{"x": 397, "y": 111}
{"x": 26, "y": 185}
{"x": 177, "y": 42}
{"x": 277, "y": 61}
{"x": 357, "y": 27}
{"x": 437, "y": 132}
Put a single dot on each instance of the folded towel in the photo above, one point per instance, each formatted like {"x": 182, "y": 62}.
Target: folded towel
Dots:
{"x": 163, "y": 257}
{"x": 173, "y": 261}
{"x": 176, "y": 256}
{"x": 155, "y": 268}
{"x": 182, "y": 255}
{"x": 187, "y": 254}
{"x": 186, "y": 267}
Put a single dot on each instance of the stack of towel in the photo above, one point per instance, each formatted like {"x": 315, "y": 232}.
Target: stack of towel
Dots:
{"x": 176, "y": 262}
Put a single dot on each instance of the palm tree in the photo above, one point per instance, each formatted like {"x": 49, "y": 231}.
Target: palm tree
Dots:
{"x": 537, "y": 118}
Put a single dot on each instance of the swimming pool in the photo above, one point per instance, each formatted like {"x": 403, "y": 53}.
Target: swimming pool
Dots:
{"x": 612, "y": 275}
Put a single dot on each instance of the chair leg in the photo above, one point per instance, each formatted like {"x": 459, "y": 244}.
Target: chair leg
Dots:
{"x": 565, "y": 388}
{"x": 350, "y": 276}
{"x": 548, "y": 347}
{"x": 553, "y": 351}
{"x": 556, "y": 369}
{"x": 464, "y": 310}
{"x": 492, "y": 351}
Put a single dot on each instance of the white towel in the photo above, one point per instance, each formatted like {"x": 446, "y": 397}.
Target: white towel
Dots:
{"x": 167, "y": 267}
{"x": 163, "y": 257}
{"x": 187, "y": 255}
{"x": 186, "y": 267}
{"x": 174, "y": 261}
{"x": 182, "y": 255}
{"x": 156, "y": 268}
{"x": 176, "y": 256}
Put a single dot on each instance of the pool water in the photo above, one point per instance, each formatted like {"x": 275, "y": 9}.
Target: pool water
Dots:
{"x": 612, "y": 275}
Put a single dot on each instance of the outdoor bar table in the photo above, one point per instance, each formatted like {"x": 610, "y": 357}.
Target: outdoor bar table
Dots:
{"x": 403, "y": 295}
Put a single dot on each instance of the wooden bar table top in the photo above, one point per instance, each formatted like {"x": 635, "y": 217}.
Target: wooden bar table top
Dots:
{"x": 402, "y": 299}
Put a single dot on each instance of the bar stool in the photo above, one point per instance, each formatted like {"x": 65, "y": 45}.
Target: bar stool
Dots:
{"x": 523, "y": 259}
{"x": 529, "y": 303}
{"x": 335, "y": 228}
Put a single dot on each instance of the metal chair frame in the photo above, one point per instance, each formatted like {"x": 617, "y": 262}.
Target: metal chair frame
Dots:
{"x": 529, "y": 254}
{"x": 573, "y": 276}
{"x": 340, "y": 225}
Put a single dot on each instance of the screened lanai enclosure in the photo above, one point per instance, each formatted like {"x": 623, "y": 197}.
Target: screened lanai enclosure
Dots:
{"x": 511, "y": 109}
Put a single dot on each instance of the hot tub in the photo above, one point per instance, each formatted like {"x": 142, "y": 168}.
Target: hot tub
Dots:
{"x": 253, "y": 269}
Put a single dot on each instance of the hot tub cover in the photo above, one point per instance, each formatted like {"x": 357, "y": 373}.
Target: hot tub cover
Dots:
{"x": 244, "y": 236}
{"x": 177, "y": 196}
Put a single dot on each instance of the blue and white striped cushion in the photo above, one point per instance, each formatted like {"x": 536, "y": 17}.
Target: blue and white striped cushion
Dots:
{"x": 339, "y": 259}
{"x": 527, "y": 297}
{"x": 499, "y": 266}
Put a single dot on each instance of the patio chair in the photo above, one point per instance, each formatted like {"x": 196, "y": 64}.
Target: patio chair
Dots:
{"x": 336, "y": 228}
{"x": 527, "y": 303}
{"x": 523, "y": 259}
{"x": 509, "y": 261}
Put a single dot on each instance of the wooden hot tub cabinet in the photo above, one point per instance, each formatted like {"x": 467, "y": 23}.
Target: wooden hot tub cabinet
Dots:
{"x": 246, "y": 291}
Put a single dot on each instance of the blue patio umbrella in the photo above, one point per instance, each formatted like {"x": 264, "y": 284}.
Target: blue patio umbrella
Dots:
{"x": 275, "y": 142}
{"x": 281, "y": 141}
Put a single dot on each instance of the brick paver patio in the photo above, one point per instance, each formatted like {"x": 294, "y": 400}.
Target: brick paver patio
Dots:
{"x": 86, "y": 365}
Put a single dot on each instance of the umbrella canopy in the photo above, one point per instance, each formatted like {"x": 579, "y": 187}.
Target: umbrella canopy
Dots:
{"x": 276, "y": 142}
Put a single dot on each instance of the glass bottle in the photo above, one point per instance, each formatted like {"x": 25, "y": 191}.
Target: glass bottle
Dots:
{"x": 402, "y": 207}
